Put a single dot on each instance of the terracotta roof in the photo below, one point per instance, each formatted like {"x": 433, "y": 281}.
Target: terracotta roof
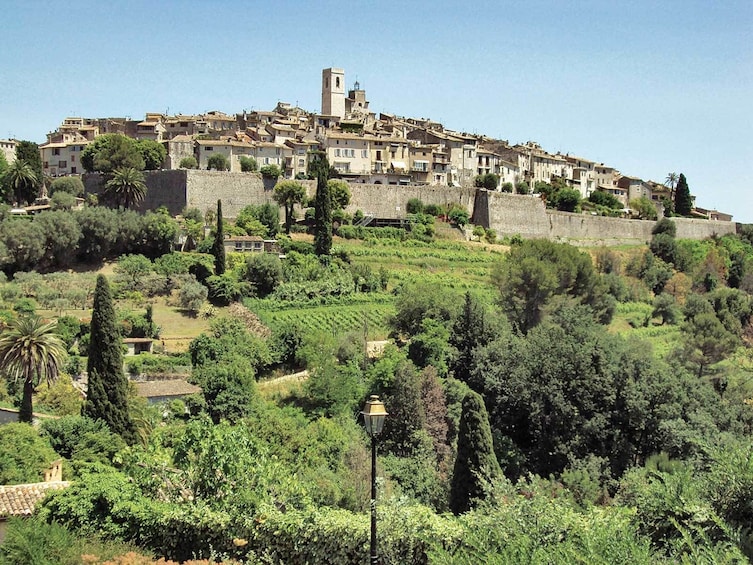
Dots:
{"x": 20, "y": 500}
{"x": 172, "y": 387}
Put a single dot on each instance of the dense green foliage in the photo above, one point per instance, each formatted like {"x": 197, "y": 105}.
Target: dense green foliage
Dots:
{"x": 24, "y": 455}
{"x": 617, "y": 413}
{"x": 111, "y": 151}
{"x": 537, "y": 272}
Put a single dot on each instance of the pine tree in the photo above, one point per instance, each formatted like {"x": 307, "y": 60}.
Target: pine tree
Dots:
{"x": 323, "y": 208}
{"x": 475, "y": 465}
{"x": 107, "y": 396}
{"x": 683, "y": 201}
{"x": 218, "y": 249}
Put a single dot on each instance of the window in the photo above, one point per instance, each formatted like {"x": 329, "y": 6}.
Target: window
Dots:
{"x": 301, "y": 163}
{"x": 46, "y": 165}
{"x": 56, "y": 151}
{"x": 337, "y": 82}
{"x": 209, "y": 149}
{"x": 73, "y": 170}
{"x": 337, "y": 152}
{"x": 73, "y": 158}
{"x": 364, "y": 154}
{"x": 63, "y": 164}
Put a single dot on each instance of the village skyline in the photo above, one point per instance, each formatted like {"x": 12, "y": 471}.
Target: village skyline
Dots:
{"x": 647, "y": 91}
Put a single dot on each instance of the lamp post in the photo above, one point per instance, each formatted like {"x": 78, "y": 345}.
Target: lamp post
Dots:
{"x": 373, "y": 418}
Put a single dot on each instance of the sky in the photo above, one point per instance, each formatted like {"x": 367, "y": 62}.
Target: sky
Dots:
{"x": 647, "y": 87}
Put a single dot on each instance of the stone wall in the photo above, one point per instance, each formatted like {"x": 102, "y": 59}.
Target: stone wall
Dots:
{"x": 527, "y": 216}
{"x": 389, "y": 201}
{"x": 507, "y": 214}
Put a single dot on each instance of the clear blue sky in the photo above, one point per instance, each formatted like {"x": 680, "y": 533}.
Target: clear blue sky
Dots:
{"x": 647, "y": 87}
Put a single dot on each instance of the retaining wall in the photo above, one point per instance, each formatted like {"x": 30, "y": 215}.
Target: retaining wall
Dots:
{"x": 507, "y": 214}
{"x": 527, "y": 216}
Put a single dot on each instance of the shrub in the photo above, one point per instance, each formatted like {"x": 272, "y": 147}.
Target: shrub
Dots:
{"x": 414, "y": 206}
{"x": 270, "y": 171}
{"x": 188, "y": 163}
{"x": 248, "y": 164}
{"x": 218, "y": 162}
{"x": 70, "y": 185}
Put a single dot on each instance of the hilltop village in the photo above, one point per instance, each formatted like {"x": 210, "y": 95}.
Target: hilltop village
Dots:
{"x": 361, "y": 146}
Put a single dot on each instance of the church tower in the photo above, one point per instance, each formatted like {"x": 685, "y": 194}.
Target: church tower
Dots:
{"x": 333, "y": 92}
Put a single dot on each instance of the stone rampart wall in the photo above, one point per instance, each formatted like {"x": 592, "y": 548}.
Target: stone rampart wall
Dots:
{"x": 507, "y": 214}
{"x": 389, "y": 201}
{"x": 527, "y": 216}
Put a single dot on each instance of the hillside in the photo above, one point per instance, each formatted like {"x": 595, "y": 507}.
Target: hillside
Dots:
{"x": 605, "y": 388}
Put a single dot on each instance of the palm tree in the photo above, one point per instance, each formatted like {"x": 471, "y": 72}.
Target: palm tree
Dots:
{"x": 31, "y": 351}
{"x": 22, "y": 180}
{"x": 126, "y": 188}
{"x": 671, "y": 182}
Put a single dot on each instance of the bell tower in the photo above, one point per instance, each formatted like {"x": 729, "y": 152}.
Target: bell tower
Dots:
{"x": 333, "y": 92}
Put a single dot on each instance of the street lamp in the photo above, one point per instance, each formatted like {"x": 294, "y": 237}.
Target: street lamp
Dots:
{"x": 373, "y": 418}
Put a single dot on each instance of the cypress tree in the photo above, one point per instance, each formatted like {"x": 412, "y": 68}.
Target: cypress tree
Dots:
{"x": 323, "y": 208}
{"x": 218, "y": 249}
{"x": 107, "y": 396}
{"x": 683, "y": 201}
{"x": 476, "y": 464}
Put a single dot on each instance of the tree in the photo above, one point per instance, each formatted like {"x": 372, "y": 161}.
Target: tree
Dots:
{"x": 111, "y": 151}
{"x": 28, "y": 152}
{"x": 476, "y": 465}
{"x": 566, "y": 199}
{"x": 323, "y": 207}
{"x": 188, "y": 163}
{"x": 665, "y": 307}
{"x": 645, "y": 208}
{"x": 602, "y": 198}
{"x": 31, "y": 351}
{"x": 218, "y": 248}
{"x": 269, "y": 215}
{"x": 671, "y": 183}
{"x": 339, "y": 192}
{"x": 62, "y": 201}
{"x": 71, "y": 185}
{"x": 458, "y": 216}
{"x": 472, "y": 328}
{"x": 152, "y": 152}
{"x": 707, "y": 341}
{"x": 264, "y": 271}
{"x": 270, "y": 171}
{"x": 22, "y": 181}
{"x": 133, "y": 267}
{"x": 126, "y": 188}
{"x": 107, "y": 395}
{"x": 488, "y": 181}
{"x": 288, "y": 193}
{"x": 218, "y": 162}
{"x": 3, "y": 170}
{"x": 665, "y": 225}
{"x": 537, "y": 270}
{"x": 683, "y": 200}
{"x": 248, "y": 164}
{"x": 192, "y": 295}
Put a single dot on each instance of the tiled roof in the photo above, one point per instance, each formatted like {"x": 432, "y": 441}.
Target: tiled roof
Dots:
{"x": 20, "y": 500}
